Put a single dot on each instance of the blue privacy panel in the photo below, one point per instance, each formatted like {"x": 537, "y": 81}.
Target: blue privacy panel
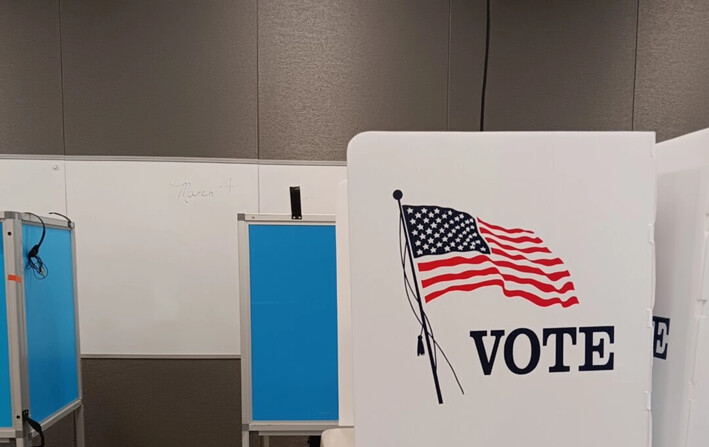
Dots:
{"x": 51, "y": 330}
{"x": 5, "y": 396}
{"x": 293, "y": 322}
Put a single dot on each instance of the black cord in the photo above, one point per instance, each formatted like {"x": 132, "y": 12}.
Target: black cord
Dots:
{"x": 36, "y": 426}
{"x": 487, "y": 54}
{"x": 34, "y": 262}
{"x": 62, "y": 215}
{"x": 408, "y": 288}
{"x": 436, "y": 346}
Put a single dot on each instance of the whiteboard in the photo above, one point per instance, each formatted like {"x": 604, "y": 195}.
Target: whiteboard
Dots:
{"x": 157, "y": 254}
{"x": 318, "y": 187}
{"x": 37, "y": 186}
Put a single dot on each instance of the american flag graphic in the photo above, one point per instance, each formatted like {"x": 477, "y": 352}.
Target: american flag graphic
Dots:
{"x": 456, "y": 252}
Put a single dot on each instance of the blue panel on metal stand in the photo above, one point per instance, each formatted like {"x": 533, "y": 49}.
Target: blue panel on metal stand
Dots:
{"x": 51, "y": 325}
{"x": 293, "y": 322}
{"x": 5, "y": 396}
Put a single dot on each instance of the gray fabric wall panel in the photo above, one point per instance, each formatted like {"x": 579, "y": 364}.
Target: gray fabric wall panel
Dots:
{"x": 61, "y": 434}
{"x": 329, "y": 70}
{"x": 561, "y": 65}
{"x": 161, "y": 402}
{"x": 30, "y": 78}
{"x": 672, "y": 86}
{"x": 467, "y": 56}
{"x": 156, "y": 402}
{"x": 160, "y": 77}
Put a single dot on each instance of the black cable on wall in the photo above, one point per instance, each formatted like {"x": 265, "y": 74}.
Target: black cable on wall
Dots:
{"x": 487, "y": 54}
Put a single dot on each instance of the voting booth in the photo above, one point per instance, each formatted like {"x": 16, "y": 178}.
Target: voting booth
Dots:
{"x": 680, "y": 398}
{"x": 502, "y": 288}
{"x": 288, "y": 295}
{"x": 40, "y": 373}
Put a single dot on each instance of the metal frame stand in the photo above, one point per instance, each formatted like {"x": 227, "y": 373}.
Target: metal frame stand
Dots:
{"x": 21, "y": 434}
{"x": 265, "y": 431}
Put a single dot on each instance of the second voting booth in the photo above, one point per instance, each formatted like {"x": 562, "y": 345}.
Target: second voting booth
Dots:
{"x": 681, "y": 339}
{"x": 502, "y": 288}
{"x": 40, "y": 373}
{"x": 288, "y": 294}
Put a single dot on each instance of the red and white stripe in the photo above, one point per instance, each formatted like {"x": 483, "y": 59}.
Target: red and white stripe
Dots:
{"x": 519, "y": 263}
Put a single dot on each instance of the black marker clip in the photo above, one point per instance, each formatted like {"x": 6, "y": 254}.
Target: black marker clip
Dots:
{"x": 296, "y": 212}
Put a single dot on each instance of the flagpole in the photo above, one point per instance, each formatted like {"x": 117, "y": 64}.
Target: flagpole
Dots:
{"x": 398, "y": 195}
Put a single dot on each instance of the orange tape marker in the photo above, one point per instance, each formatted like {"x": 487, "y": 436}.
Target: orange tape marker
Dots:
{"x": 14, "y": 278}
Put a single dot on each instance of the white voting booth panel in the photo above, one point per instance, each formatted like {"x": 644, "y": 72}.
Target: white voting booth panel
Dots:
{"x": 344, "y": 309}
{"x": 680, "y": 397}
{"x": 532, "y": 255}
{"x": 698, "y": 432}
